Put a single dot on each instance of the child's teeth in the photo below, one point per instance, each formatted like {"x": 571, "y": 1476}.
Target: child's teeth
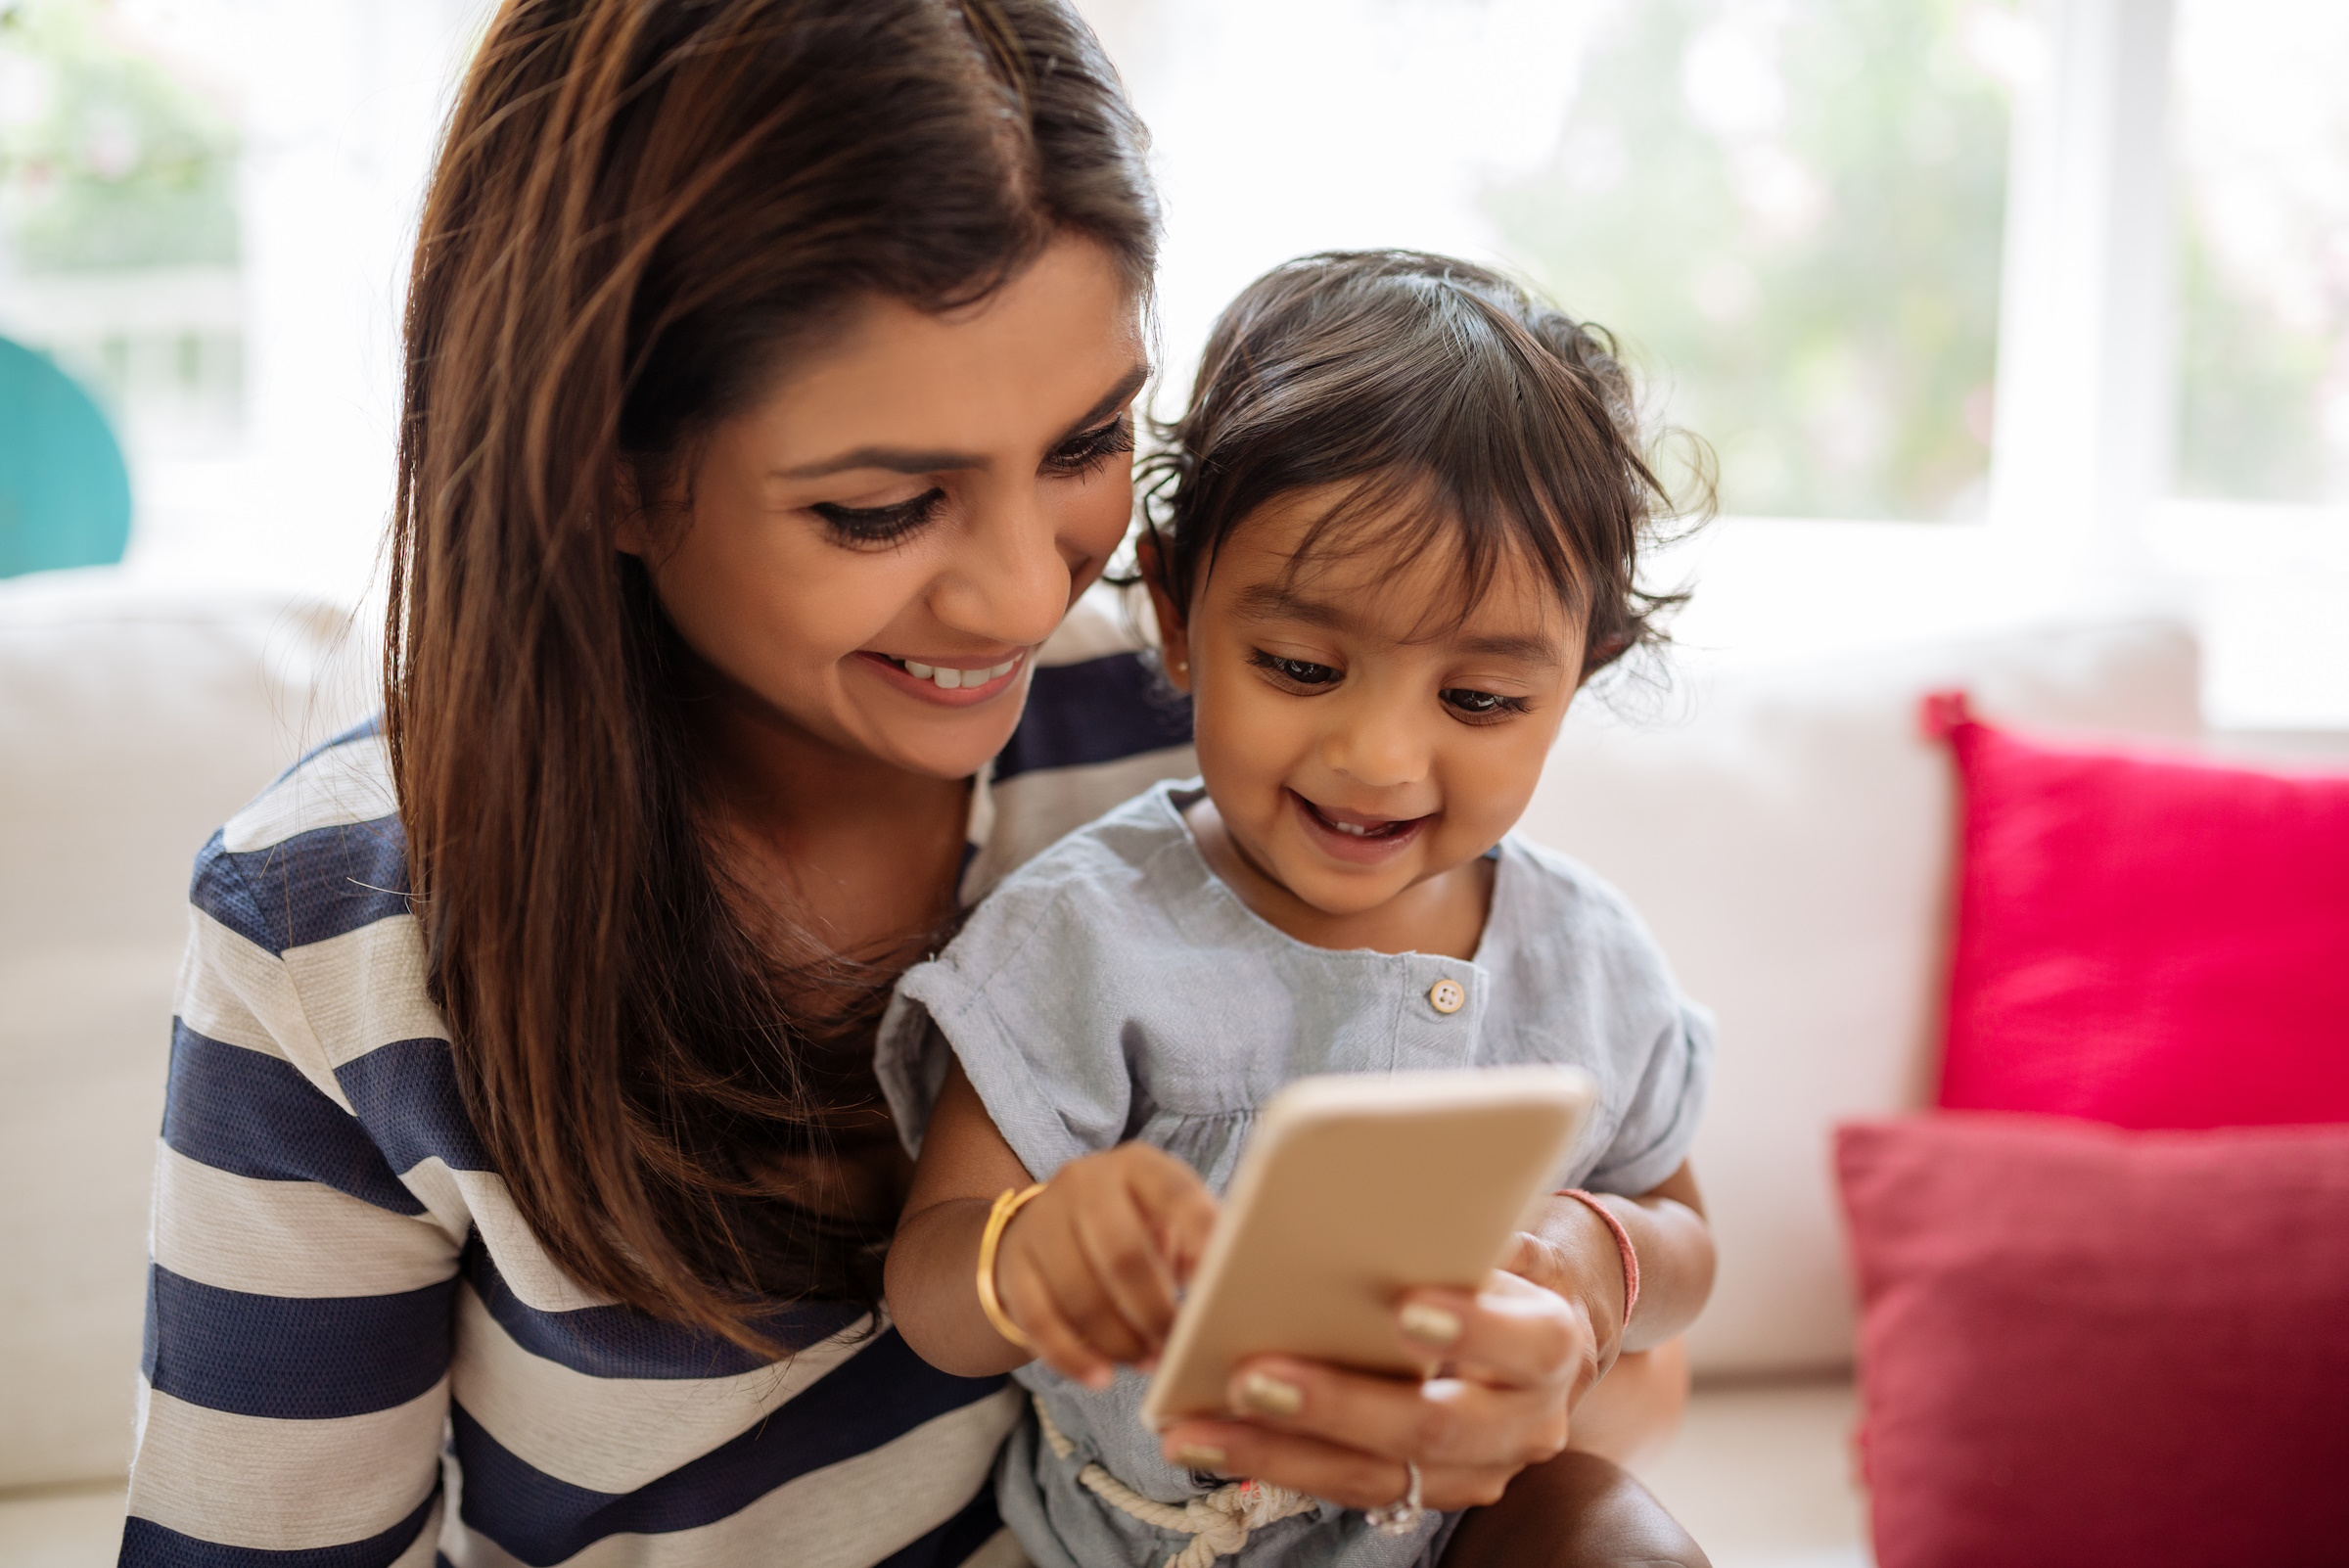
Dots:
{"x": 919, "y": 671}
{"x": 949, "y": 679}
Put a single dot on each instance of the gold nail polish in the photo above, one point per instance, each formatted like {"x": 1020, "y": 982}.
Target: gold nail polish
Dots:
{"x": 1433, "y": 1324}
{"x": 1199, "y": 1456}
{"x": 1270, "y": 1396}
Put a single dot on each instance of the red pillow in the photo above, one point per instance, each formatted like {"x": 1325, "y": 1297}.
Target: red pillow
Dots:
{"x": 2081, "y": 1346}
{"x": 2148, "y": 941}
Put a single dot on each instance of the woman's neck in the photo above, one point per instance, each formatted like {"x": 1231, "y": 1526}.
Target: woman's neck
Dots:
{"x": 860, "y": 854}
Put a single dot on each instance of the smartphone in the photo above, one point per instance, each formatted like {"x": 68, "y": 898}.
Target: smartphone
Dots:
{"x": 1354, "y": 1188}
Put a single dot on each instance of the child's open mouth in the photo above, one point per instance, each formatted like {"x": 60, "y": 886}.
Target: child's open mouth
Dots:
{"x": 1354, "y": 836}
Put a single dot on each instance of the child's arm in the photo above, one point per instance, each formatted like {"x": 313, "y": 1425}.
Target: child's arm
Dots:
{"x": 1573, "y": 1252}
{"x": 1087, "y": 1270}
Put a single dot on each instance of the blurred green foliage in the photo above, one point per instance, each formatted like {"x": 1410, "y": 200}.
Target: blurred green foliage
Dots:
{"x": 1797, "y": 208}
{"x": 107, "y": 160}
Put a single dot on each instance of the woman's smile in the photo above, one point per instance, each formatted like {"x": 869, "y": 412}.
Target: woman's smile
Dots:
{"x": 958, "y": 682}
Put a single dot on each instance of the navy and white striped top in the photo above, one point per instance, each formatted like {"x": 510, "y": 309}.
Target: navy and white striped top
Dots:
{"x": 357, "y": 1353}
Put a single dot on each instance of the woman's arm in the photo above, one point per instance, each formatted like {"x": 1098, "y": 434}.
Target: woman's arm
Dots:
{"x": 1522, "y": 1354}
{"x": 299, "y": 1300}
{"x": 1087, "y": 1271}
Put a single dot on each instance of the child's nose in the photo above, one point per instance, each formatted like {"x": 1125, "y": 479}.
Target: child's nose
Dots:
{"x": 1377, "y": 750}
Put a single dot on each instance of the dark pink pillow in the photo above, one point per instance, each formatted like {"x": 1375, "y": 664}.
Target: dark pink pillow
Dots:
{"x": 2149, "y": 941}
{"x": 2081, "y": 1346}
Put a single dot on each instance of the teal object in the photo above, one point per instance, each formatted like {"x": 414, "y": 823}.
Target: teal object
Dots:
{"x": 64, "y": 495}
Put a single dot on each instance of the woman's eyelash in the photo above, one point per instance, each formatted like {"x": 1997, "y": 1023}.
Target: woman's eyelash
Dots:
{"x": 1081, "y": 454}
{"x": 879, "y": 524}
{"x": 1482, "y": 705}
{"x": 1298, "y": 671}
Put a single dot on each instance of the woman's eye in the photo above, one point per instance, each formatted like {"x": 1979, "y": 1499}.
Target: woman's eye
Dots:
{"x": 1296, "y": 672}
{"x": 1081, "y": 454}
{"x": 879, "y": 524}
{"x": 1480, "y": 704}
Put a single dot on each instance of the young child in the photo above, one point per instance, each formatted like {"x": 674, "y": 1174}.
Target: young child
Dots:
{"x": 1395, "y": 532}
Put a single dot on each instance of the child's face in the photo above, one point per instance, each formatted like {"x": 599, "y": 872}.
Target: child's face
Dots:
{"x": 1353, "y": 744}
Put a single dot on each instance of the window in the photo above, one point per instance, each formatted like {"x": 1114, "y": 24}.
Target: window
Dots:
{"x": 206, "y": 213}
{"x": 1796, "y": 208}
{"x": 120, "y": 241}
{"x": 2261, "y": 140}
{"x": 1789, "y": 210}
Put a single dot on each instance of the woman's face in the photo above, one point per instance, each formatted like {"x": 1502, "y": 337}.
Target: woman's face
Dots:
{"x": 871, "y": 555}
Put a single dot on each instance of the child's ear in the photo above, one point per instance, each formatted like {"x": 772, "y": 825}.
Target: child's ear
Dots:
{"x": 1173, "y": 637}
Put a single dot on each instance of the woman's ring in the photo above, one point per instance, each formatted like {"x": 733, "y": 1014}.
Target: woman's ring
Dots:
{"x": 1402, "y": 1516}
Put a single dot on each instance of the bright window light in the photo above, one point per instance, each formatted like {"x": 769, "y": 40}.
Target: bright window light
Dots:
{"x": 2261, "y": 138}
{"x": 1796, "y": 208}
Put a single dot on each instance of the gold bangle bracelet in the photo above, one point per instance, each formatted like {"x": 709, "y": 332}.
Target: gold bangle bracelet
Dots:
{"x": 1008, "y": 1204}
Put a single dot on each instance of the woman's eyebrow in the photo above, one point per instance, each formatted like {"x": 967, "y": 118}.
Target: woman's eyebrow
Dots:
{"x": 890, "y": 460}
{"x": 1116, "y": 397}
{"x": 905, "y": 460}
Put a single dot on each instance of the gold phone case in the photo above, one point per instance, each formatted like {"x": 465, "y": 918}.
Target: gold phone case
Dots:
{"x": 1354, "y": 1188}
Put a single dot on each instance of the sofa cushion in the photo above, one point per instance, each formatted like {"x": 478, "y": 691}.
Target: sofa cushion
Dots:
{"x": 134, "y": 718}
{"x": 2147, "y": 941}
{"x": 2081, "y": 1344}
{"x": 1786, "y": 831}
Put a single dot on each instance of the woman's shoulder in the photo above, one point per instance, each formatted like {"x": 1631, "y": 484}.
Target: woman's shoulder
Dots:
{"x": 1101, "y": 725}
{"x": 318, "y": 854}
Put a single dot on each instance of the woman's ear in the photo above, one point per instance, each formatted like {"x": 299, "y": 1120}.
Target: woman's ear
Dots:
{"x": 631, "y": 531}
{"x": 1173, "y": 636}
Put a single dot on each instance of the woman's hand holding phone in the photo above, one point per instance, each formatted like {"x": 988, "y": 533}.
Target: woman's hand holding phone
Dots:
{"x": 1516, "y": 1355}
{"x": 1088, "y": 1269}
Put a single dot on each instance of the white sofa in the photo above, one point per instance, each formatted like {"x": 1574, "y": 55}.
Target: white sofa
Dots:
{"x": 1776, "y": 817}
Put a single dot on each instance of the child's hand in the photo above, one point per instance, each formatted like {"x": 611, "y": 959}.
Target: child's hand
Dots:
{"x": 1088, "y": 1269}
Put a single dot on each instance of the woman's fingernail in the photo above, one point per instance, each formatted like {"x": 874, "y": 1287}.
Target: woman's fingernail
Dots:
{"x": 1433, "y": 1324}
{"x": 1199, "y": 1456}
{"x": 1270, "y": 1396}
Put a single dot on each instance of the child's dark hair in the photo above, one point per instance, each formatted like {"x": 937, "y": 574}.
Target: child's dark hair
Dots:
{"x": 1445, "y": 389}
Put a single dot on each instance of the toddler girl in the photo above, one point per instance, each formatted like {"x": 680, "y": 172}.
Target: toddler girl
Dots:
{"x": 1395, "y": 532}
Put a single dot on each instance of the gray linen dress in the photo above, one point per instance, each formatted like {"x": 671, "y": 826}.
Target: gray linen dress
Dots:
{"x": 1113, "y": 988}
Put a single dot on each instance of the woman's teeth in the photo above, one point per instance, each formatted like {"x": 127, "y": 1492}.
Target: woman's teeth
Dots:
{"x": 949, "y": 679}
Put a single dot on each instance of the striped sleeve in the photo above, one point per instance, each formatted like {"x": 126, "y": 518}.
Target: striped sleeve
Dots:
{"x": 301, "y": 1301}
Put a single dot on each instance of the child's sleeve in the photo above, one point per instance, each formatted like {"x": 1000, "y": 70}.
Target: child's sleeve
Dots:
{"x": 1015, "y": 998}
{"x": 1659, "y": 1123}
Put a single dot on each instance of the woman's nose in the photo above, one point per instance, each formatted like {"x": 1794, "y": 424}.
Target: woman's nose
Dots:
{"x": 1008, "y": 582}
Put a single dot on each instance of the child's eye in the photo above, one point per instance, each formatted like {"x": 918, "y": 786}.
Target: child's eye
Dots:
{"x": 1480, "y": 704}
{"x": 1296, "y": 672}
{"x": 1081, "y": 454}
{"x": 879, "y": 524}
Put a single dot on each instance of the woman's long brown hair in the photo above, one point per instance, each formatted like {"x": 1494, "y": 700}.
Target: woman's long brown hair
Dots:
{"x": 641, "y": 207}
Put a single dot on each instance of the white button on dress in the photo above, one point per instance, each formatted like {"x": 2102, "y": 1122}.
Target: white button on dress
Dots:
{"x": 1446, "y": 997}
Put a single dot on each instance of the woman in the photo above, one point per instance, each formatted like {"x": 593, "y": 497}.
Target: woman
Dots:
{"x": 522, "y": 1186}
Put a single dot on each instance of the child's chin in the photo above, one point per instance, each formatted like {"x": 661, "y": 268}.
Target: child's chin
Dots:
{"x": 1351, "y": 890}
